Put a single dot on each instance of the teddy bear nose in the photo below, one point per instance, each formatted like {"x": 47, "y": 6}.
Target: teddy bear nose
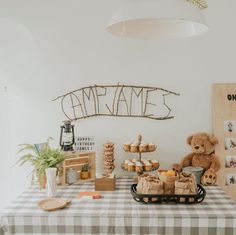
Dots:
{"x": 196, "y": 147}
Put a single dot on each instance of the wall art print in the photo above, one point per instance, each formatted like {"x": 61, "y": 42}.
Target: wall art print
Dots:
{"x": 230, "y": 161}
{"x": 224, "y": 123}
{"x": 118, "y": 101}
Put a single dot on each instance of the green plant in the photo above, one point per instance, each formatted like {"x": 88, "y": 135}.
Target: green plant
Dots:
{"x": 40, "y": 157}
{"x": 85, "y": 167}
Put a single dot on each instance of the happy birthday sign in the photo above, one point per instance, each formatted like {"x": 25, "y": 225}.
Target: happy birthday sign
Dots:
{"x": 117, "y": 100}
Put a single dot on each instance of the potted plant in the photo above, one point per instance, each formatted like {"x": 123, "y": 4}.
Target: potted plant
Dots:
{"x": 85, "y": 174}
{"x": 40, "y": 157}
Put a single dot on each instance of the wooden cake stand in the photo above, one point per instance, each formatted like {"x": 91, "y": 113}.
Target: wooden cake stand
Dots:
{"x": 140, "y": 151}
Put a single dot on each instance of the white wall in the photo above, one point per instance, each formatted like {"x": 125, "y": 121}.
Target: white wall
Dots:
{"x": 54, "y": 46}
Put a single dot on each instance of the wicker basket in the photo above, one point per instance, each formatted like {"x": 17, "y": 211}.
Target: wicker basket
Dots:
{"x": 166, "y": 198}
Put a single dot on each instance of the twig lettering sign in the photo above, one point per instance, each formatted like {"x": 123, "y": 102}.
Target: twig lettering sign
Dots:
{"x": 117, "y": 100}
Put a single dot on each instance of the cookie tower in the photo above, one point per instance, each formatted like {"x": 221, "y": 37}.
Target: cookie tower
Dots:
{"x": 108, "y": 157}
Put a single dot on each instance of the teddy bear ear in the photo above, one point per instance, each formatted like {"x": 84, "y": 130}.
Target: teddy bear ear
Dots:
{"x": 213, "y": 139}
{"x": 189, "y": 139}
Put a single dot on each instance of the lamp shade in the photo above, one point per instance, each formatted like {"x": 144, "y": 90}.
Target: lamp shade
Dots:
{"x": 157, "y": 19}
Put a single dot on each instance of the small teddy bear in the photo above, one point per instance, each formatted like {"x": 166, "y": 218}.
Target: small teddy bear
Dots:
{"x": 203, "y": 155}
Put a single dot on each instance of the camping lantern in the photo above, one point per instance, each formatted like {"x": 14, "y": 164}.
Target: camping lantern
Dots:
{"x": 67, "y": 137}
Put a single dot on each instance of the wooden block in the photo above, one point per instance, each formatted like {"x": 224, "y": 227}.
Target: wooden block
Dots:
{"x": 105, "y": 183}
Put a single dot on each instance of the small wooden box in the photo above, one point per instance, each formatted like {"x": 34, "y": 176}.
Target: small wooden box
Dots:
{"x": 107, "y": 183}
{"x": 76, "y": 160}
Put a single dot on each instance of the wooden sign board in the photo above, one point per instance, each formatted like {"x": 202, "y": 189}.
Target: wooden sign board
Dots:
{"x": 224, "y": 124}
{"x": 84, "y": 143}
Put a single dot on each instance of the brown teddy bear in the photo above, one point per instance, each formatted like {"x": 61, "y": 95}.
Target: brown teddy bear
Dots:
{"x": 203, "y": 147}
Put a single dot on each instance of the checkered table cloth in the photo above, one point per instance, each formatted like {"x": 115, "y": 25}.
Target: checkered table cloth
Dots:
{"x": 118, "y": 213}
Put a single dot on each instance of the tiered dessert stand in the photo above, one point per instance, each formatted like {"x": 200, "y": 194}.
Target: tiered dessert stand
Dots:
{"x": 139, "y": 150}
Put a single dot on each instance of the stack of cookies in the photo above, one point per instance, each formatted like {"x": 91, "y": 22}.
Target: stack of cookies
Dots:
{"x": 108, "y": 157}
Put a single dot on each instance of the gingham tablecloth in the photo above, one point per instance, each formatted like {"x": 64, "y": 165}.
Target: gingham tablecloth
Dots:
{"x": 118, "y": 213}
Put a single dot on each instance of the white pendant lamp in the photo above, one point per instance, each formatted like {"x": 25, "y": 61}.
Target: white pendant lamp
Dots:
{"x": 158, "y": 19}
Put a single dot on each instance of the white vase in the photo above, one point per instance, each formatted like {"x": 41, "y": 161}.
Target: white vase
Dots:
{"x": 51, "y": 174}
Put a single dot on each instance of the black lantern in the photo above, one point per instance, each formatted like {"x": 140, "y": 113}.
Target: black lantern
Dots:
{"x": 67, "y": 138}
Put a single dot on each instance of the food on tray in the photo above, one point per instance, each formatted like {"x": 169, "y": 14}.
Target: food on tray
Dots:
{"x": 150, "y": 188}
{"x": 142, "y": 164}
{"x": 186, "y": 184}
{"x": 139, "y": 167}
{"x": 148, "y": 167}
{"x": 126, "y": 164}
{"x": 131, "y": 166}
{"x": 155, "y": 163}
{"x": 168, "y": 177}
{"x": 143, "y": 175}
{"x": 151, "y": 147}
{"x": 134, "y": 147}
{"x": 108, "y": 157}
{"x": 152, "y": 184}
{"x": 143, "y": 147}
{"x": 126, "y": 147}
{"x": 167, "y": 172}
{"x": 149, "y": 184}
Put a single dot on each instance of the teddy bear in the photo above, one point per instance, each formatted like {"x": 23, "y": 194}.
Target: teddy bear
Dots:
{"x": 203, "y": 155}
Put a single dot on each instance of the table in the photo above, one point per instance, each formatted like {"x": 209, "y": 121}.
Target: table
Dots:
{"x": 118, "y": 213}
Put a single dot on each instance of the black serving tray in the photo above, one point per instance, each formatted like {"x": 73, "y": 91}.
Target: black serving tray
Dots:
{"x": 166, "y": 198}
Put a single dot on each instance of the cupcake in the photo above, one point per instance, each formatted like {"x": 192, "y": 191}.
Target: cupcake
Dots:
{"x": 155, "y": 163}
{"x": 138, "y": 163}
{"x": 144, "y": 161}
{"x": 126, "y": 147}
{"x": 139, "y": 167}
{"x": 134, "y": 148}
{"x": 131, "y": 166}
{"x": 151, "y": 147}
{"x": 143, "y": 147}
{"x": 126, "y": 164}
{"x": 148, "y": 167}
